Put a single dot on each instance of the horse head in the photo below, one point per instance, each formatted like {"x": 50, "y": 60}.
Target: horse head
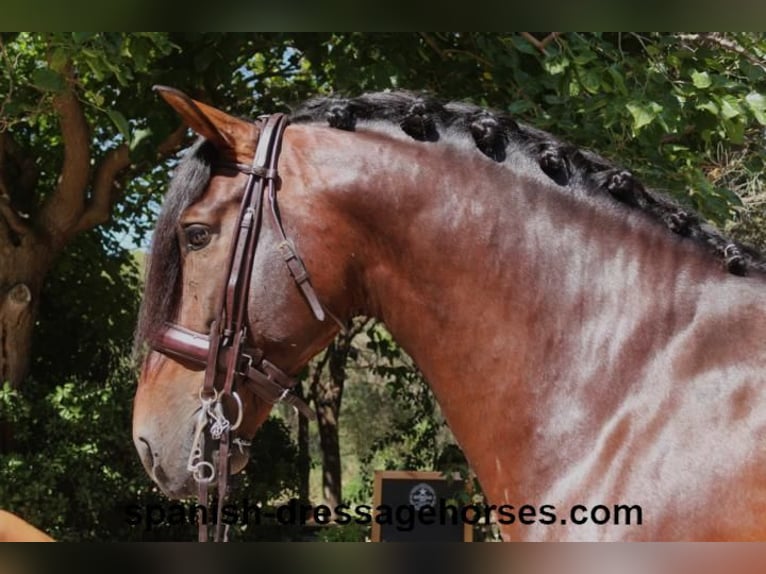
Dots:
{"x": 283, "y": 313}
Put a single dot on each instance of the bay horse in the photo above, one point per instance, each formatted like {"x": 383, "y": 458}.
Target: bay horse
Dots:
{"x": 592, "y": 344}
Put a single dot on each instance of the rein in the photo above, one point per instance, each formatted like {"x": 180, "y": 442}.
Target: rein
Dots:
{"x": 223, "y": 353}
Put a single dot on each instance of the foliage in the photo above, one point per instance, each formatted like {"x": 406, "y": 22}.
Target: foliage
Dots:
{"x": 419, "y": 424}
{"x": 69, "y": 470}
{"x": 88, "y": 308}
{"x": 345, "y": 533}
{"x": 79, "y": 377}
{"x": 661, "y": 103}
{"x": 390, "y": 417}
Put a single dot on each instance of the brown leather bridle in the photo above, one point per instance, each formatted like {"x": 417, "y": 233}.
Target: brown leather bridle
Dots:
{"x": 224, "y": 353}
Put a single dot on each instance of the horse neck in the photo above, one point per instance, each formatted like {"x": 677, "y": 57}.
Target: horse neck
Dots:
{"x": 456, "y": 245}
{"x": 509, "y": 292}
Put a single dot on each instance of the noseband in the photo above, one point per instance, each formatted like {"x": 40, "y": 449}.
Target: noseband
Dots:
{"x": 223, "y": 353}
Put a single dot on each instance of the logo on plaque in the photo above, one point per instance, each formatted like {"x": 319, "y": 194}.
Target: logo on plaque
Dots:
{"x": 422, "y": 495}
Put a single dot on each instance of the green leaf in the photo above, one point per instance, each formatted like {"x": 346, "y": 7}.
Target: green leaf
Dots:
{"x": 730, "y": 107}
{"x": 522, "y": 45}
{"x": 122, "y": 124}
{"x": 643, "y": 113}
{"x": 139, "y": 136}
{"x": 709, "y": 106}
{"x": 82, "y": 37}
{"x": 58, "y": 60}
{"x": 730, "y": 196}
{"x": 591, "y": 81}
{"x": 140, "y": 49}
{"x": 585, "y": 57}
{"x": 735, "y": 131}
{"x": 757, "y": 104}
{"x": 519, "y": 107}
{"x": 47, "y": 80}
{"x": 556, "y": 65}
{"x": 618, "y": 80}
{"x": 701, "y": 80}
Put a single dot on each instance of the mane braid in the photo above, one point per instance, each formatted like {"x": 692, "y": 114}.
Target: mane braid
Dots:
{"x": 163, "y": 267}
{"x": 426, "y": 118}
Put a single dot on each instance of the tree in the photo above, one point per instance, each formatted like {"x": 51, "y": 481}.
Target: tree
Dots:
{"x": 63, "y": 186}
{"x": 82, "y": 139}
{"x": 81, "y": 170}
{"x": 326, "y": 392}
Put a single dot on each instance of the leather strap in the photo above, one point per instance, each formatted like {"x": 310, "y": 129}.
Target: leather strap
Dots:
{"x": 260, "y": 376}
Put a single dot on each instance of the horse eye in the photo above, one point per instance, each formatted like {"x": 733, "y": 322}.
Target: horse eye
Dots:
{"x": 197, "y": 236}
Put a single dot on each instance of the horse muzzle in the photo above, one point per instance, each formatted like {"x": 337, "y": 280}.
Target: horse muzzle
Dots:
{"x": 169, "y": 467}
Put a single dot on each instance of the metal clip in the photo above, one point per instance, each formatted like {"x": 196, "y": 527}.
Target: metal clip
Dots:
{"x": 241, "y": 444}
{"x": 220, "y": 422}
{"x": 201, "y": 470}
{"x": 240, "y": 411}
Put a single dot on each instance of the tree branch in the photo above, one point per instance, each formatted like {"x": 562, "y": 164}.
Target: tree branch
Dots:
{"x": 357, "y": 328}
{"x": 540, "y": 44}
{"x": 64, "y": 207}
{"x": 433, "y": 44}
{"x": 720, "y": 41}
{"x": 106, "y": 189}
{"x": 67, "y": 211}
{"x": 99, "y": 208}
{"x": 174, "y": 141}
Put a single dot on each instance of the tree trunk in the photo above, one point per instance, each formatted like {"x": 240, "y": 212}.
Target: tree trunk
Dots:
{"x": 304, "y": 456}
{"x": 328, "y": 393}
{"x": 25, "y": 261}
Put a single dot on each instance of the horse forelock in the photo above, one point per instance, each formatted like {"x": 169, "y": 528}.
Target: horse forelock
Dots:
{"x": 163, "y": 265}
{"x": 493, "y": 133}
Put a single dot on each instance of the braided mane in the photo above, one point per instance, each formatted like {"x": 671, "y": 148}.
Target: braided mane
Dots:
{"x": 426, "y": 119}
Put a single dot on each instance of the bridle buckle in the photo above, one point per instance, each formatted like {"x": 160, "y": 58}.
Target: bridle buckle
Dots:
{"x": 247, "y": 362}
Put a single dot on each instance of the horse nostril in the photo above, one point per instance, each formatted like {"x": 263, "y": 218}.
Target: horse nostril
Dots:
{"x": 145, "y": 452}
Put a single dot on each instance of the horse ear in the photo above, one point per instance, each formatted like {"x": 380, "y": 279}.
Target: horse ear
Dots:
{"x": 226, "y": 132}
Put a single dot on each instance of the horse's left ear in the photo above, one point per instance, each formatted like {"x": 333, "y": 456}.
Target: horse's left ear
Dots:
{"x": 227, "y": 133}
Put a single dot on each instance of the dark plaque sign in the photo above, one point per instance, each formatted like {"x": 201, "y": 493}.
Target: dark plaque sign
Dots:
{"x": 419, "y": 507}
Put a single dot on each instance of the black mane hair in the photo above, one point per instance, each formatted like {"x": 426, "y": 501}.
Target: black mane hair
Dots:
{"x": 425, "y": 118}
{"x": 163, "y": 266}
